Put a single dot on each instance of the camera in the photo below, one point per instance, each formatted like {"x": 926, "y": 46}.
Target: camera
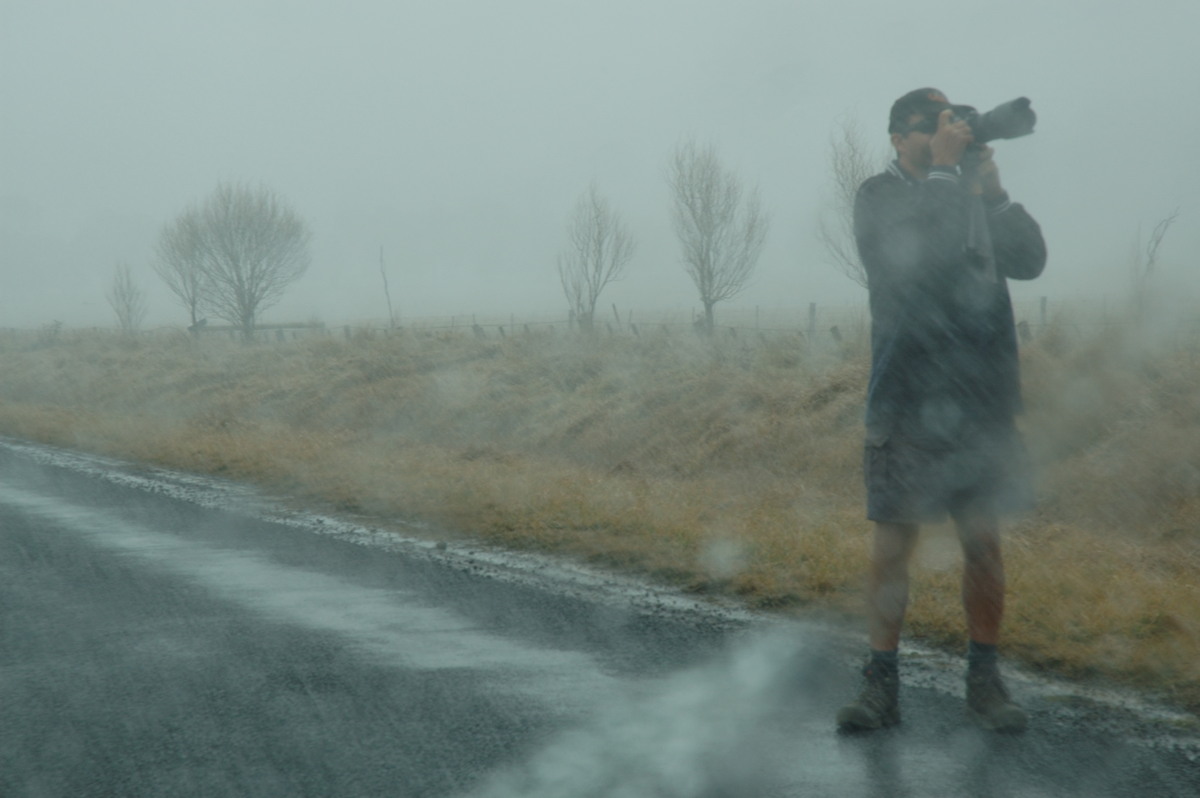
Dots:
{"x": 1009, "y": 120}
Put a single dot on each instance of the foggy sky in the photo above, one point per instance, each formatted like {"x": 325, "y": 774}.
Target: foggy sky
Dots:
{"x": 457, "y": 135}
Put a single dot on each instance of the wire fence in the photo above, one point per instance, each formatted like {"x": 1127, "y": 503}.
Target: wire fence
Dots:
{"x": 830, "y": 325}
{"x": 815, "y": 323}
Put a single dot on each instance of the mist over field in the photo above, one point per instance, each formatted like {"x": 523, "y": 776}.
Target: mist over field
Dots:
{"x": 457, "y": 136}
{"x": 424, "y": 166}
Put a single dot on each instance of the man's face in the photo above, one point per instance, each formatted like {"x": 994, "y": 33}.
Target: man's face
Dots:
{"x": 912, "y": 143}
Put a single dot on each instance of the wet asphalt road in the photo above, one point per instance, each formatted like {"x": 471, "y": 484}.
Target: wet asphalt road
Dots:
{"x": 167, "y": 636}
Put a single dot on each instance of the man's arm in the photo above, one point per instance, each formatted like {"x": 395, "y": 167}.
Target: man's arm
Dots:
{"x": 1017, "y": 240}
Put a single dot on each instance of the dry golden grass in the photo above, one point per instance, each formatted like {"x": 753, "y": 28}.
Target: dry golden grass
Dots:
{"x": 724, "y": 466}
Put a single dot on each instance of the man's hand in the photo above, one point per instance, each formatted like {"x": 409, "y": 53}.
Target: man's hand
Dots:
{"x": 950, "y": 141}
{"x": 986, "y": 177}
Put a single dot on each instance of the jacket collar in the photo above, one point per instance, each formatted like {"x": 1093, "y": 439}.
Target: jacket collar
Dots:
{"x": 895, "y": 169}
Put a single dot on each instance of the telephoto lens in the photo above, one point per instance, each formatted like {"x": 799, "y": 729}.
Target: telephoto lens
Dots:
{"x": 1009, "y": 120}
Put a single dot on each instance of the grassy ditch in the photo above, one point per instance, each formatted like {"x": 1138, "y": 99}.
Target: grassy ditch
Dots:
{"x": 725, "y": 466}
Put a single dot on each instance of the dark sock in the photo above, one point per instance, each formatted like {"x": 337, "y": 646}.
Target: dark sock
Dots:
{"x": 980, "y": 654}
{"x": 886, "y": 661}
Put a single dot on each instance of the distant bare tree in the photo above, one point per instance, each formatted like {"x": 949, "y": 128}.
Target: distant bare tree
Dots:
{"x": 179, "y": 264}
{"x": 598, "y": 248}
{"x": 1144, "y": 262}
{"x": 246, "y": 246}
{"x": 127, "y": 300}
{"x": 387, "y": 292}
{"x": 850, "y": 163}
{"x": 721, "y": 231}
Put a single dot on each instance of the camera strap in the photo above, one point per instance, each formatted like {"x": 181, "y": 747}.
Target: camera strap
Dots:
{"x": 979, "y": 239}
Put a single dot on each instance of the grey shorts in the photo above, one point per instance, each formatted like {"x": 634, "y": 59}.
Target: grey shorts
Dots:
{"x": 921, "y": 482}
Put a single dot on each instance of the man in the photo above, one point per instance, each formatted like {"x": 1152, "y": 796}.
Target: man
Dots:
{"x": 938, "y": 237}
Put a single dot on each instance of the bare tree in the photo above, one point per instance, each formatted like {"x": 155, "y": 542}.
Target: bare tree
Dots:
{"x": 246, "y": 246}
{"x": 1143, "y": 264}
{"x": 387, "y": 292}
{"x": 598, "y": 248}
{"x": 850, "y": 163}
{"x": 179, "y": 264}
{"x": 127, "y": 300}
{"x": 720, "y": 228}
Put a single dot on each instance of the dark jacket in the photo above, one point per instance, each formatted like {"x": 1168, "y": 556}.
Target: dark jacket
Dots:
{"x": 943, "y": 343}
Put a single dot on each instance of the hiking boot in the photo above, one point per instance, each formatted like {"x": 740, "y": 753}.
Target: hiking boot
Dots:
{"x": 877, "y": 705}
{"x": 988, "y": 703}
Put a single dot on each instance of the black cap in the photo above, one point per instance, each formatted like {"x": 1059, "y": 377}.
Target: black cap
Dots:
{"x": 926, "y": 102}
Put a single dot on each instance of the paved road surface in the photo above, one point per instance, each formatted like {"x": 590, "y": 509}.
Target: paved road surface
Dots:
{"x": 164, "y": 635}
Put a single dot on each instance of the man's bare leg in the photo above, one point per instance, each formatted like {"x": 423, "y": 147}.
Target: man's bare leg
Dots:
{"x": 983, "y": 584}
{"x": 887, "y": 583}
{"x": 878, "y": 704}
{"x": 983, "y": 590}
